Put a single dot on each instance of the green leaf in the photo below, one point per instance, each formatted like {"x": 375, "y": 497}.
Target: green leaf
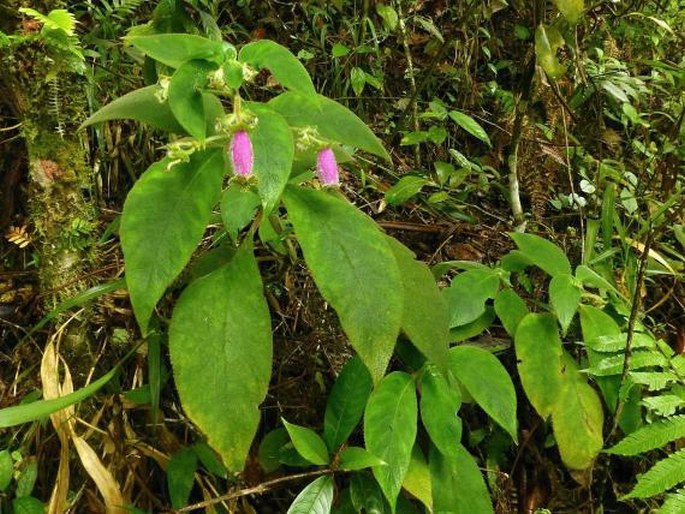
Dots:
{"x": 470, "y": 125}
{"x": 407, "y": 187}
{"x": 547, "y": 41}
{"x": 389, "y": 15}
{"x": 177, "y": 49}
{"x": 236, "y": 333}
{"x": 588, "y": 276}
{"x": 274, "y": 150}
{"x": 366, "y": 495}
{"x": 210, "y": 459}
{"x": 488, "y": 382}
{"x": 545, "y": 255}
{"x": 425, "y": 318}
{"x": 339, "y": 50}
{"x": 510, "y": 309}
{"x": 651, "y": 437}
{"x": 308, "y": 444}
{"x": 141, "y": 105}
{"x": 640, "y": 359}
{"x": 332, "y": 120}
{"x": 27, "y": 505}
{"x": 353, "y": 267}
{"x": 164, "y": 218}
{"x": 346, "y": 403}
{"x": 439, "y": 406}
{"x": 316, "y": 498}
{"x": 577, "y": 418}
{"x": 458, "y": 485}
{"x": 390, "y": 430}
{"x": 354, "y": 458}
{"x": 27, "y": 478}
{"x": 539, "y": 352}
{"x": 270, "y": 449}
{"x": 185, "y": 96}
{"x": 238, "y": 207}
{"x": 180, "y": 476}
{"x": 468, "y": 293}
{"x": 6, "y": 470}
{"x": 570, "y": 9}
{"x": 564, "y": 295}
{"x": 287, "y": 69}
{"x": 57, "y": 19}
{"x": 474, "y": 328}
{"x": 619, "y": 342}
{"x": 661, "y": 477}
{"x": 418, "y": 478}
{"x": 674, "y": 503}
{"x": 358, "y": 80}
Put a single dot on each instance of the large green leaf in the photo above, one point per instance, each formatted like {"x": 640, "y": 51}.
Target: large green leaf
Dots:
{"x": 510, "y": 309}
{"x": 470, "y": 125}
{"x": 548, "y": 40}
{"x": 458, "y": 485}
{"x": 468, "y": 293}
{"x": 539, "y": 351}
{"x": 222, "y": 371}
{"x": 596, "y": 323}
{"x": 308, "y": 443}
{"x": 185, "y": 96}
{"x": 577, "y": 418}
{"x": 346, "y": 403}
{"x": 238, "y": 207}
{"x": 418, "y": 478}
{"x": 141, "y": 105}
{"x": 488, "y": 382}
{"x": 439, "y": 405}
{"x": 571, "y": 9}
{"x": 425, "y": 318}
{"x": 281, "y": 62}
{"x": 316, "y": 498}
{"x": 354, "y": 458}
{"x": 164, "y": 217}
{"x": 353, "y": 267}
{"x": 176, "y": 49}
{"x": 564, "y": 295}
{"x": 274, "y": 149}
{"x": 390, "y": 430}
{"x": 545, "y": 255}
{"x": 332, "y": 120}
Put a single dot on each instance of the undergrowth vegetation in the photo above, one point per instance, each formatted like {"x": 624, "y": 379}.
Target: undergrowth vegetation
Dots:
{"x": 348, "y": 257}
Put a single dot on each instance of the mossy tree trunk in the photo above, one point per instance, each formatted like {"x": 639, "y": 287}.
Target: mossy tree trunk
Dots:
{"x": 45, "y": 93}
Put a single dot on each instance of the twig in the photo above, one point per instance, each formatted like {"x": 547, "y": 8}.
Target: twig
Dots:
{"x": 258, "y": 489}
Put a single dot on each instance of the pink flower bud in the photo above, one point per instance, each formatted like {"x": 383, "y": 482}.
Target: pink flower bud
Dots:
{"x": 327, "y": 167}
{"x": 242, "y": 155}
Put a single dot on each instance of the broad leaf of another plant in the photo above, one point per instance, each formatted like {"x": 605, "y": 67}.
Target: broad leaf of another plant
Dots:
{"x": 274, "y": 150}
{"x": 308, "y": 444}
{"x": 470, "y": 125}
{"x": 316, "y": 498}
{"x": 390, "y": 430}
{"x": 564, "y": 295}
{"x": 439, "y": 406}
{"x": 539, "y": 352}
{"x": 353, "y": 267}
{"x": 488, "y": 382}
{"x": 510, "y": 309}
{"x": 457, "y": 483}
{"x": 238, "y": 208}
{"x": 354, "y": 458}
{"x": 468, "y": 293}
{"x": 544, "y": 254}
{"x": 287, "y": 69}
{"x": 164, "y": 217}
{"x": 548, "y": 40}
{"x": 176, "y": 49}
{"x": 332, "y": 120}
{"x": 577, "y": 418}
{"x": 425, "y": 318}
{"x": 346, "y": 403}
{"x": 185, "y": 96}
{"x": 228, "y": 362}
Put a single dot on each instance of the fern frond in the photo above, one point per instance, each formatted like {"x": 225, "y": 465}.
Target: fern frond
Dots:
{"x": 664, "y": 405}
{"x": 614, "y": 365}
{"x": 126, "y": 8}
{"x": 654, "y": 380}
{"x": 661, "y": 477}
{"x": 674, "y": 504}
{"x": 650, "y": 437}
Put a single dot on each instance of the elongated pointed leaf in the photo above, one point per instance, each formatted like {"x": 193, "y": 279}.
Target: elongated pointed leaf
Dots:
{"x": 180, "y": 474}
{"x": 425, "y": 318}
{"x": 164, "y": 217}
{"x": 470, "y": 125}
{"x": 538, "y": 350}
{"x": 238, "y": 208}
{"x": 488, "y": 382}
{"x": 332, "y": 120}
{"x": 458, "y": 485}
{"x": 308, "y": 443}
{"x": 316, "y": 498}
{"x": 346, "y": 403}
{"x": 571, "y": 9}
{"x": 468, "y": 293}
{"x": 577, "y": 418}
{"x": 280, "y": 61}
{"x": 185, "y": 96}
{"x": 545, "y": 255}
{"x": 141, "y": 105}
{"x": 274, "y": 149}
{"x": 353, "y": 267}
{"x": 176, "y": 49}
{"x": 418, "y": 478}
{"x": 229, "y": 357}
{"x": 510, "y": 309}
{"x": 390, "y": 430}
{"x": 354, "y": 458}
{"x": 440, "y": 403}
{"x": 564, "y": 295}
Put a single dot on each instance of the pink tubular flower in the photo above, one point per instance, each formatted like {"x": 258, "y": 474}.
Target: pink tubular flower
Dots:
{"x": 327, "y": 167}
{"x": 242, "y": 156}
